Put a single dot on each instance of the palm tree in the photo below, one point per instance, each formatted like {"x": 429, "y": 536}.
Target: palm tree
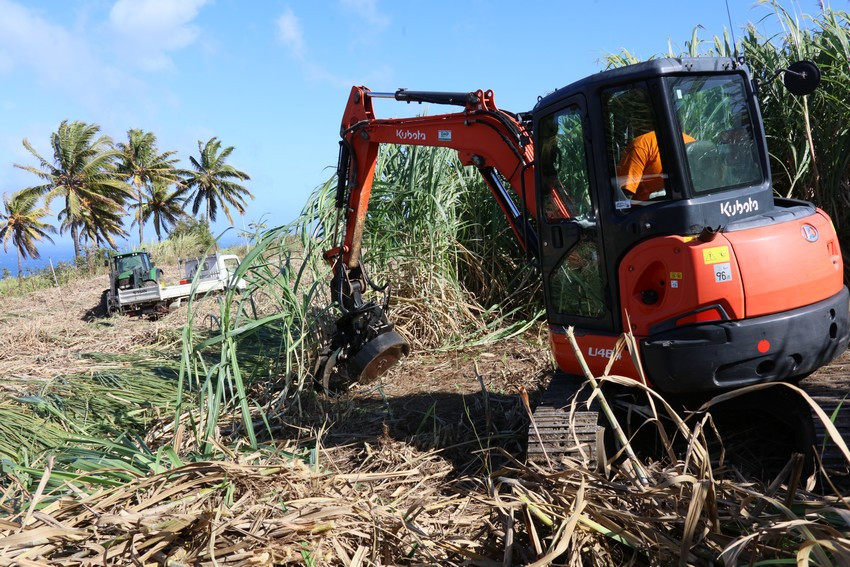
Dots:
{"x": 20, "y": 224}
{"x": 143, "y": 165}
{"x": 98, "y": 222}
{"x": 83, "y": 172}
{"x": 212, "y": 181}
{"x": 163, "y": 206}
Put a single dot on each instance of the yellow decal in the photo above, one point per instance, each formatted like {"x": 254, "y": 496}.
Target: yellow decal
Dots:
{"x": 715, "y": 255}
{"x": 688, "y": 238}
{"x": 675, "y": 275}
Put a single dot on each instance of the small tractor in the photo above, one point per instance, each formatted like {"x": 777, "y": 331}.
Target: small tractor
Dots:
{"x": 136, "y": 285}
{"x": 129, "y": 272}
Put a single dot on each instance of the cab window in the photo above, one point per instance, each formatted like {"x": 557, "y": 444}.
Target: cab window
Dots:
{"x": 634, "y": 154}
{"x": 130, "y": 263}
{"x": 574, "y": 282}
{"x": 563, "y": 163}
{"x": 714, "y": 110}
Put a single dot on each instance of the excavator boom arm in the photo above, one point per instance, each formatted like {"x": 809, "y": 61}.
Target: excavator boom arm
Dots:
{"x": 496, "y": 142}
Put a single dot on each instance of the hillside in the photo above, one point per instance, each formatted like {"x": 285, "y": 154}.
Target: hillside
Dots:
{"x": 424, "y": 466}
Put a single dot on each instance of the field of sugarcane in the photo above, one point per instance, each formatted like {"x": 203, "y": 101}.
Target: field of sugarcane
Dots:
{"x": 200, "y": 438}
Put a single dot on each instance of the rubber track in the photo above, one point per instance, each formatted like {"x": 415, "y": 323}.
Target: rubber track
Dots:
{"x": 562, "y": 437}
{"x": 830, "y": 388}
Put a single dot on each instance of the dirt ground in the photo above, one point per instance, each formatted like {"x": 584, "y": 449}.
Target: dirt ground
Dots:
{"x": 436, "y": 398}
{"x": 444, "y": 421}
{"x": 449, "y": 400}
{"x": 43, "y": 334}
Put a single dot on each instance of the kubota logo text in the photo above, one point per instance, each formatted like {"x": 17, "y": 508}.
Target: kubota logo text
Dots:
{"x": 731, "y": 209}
{"x": 408, "y": 135}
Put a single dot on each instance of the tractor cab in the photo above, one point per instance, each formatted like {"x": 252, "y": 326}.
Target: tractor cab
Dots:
{"x": 132, "y": 270}
{"x": 656, "y": 214}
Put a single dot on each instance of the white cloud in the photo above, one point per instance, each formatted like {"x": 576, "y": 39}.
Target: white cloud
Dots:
{"x": 65, "y": 59}
{"x": 147, "y": 30}
{"x": 29, "y": 41}
{"x": 289, "y": 32}
{"x": 291, "y": 35}
{"x": 368, "y": 11}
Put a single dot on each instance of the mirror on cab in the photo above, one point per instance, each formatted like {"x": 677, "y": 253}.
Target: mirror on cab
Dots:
{"x": 801, "y": 78}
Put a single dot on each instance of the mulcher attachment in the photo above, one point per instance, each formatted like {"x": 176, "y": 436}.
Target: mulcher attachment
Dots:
{"x": 378, "y": 355}
{"x": 363, "y": 344}
{"x": 555, "y": 437}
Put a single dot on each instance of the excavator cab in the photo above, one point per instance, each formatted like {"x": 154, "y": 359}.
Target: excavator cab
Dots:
{"x": 674, "y": 234}
{"x": 637, "y": 153}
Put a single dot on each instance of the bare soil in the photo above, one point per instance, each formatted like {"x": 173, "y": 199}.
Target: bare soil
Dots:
{"x": 418, "y": 440}
{"x": 43, "y": 334}
{"x": 438, "y": 398}
{"x": 445, "y": 400}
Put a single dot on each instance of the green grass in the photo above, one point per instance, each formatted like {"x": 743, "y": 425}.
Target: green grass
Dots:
{"x": 120, "y": 399}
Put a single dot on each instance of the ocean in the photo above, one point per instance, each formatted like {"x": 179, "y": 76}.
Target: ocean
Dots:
{"x": 61, "y": 251}
{"x": 58, "y": 252}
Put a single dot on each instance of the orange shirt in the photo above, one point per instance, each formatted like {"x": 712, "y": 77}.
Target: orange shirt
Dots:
{"x": 639, "y": 171}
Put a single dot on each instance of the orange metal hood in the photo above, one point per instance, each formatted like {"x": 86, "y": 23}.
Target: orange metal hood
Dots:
{"x": 788, "y": 265}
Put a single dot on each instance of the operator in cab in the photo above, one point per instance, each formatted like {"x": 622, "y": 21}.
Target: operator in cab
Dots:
{"x": 640, "y": 172}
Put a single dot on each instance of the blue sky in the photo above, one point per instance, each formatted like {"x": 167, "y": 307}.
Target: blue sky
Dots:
{"x": 271, "y": 77}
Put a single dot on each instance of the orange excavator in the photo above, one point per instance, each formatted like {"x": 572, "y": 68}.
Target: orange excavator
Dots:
{"x": 643, "y": 195}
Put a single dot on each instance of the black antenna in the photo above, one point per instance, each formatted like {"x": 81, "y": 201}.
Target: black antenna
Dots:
{"x": 732, "y": 31}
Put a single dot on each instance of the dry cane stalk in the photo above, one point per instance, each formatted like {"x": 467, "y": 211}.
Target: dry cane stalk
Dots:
{"x": 606, "y": 409}
{"x": 523, "y": 393}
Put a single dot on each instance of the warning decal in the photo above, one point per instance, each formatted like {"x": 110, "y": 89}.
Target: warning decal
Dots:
{"x": 715, "y": 255}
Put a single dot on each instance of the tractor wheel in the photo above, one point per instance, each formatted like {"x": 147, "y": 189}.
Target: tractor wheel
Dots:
{"x": 111, "y": 306}
{"x": 103, "y": 308}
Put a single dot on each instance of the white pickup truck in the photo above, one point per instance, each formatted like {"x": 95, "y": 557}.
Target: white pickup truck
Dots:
{"x": 214, "y": 273}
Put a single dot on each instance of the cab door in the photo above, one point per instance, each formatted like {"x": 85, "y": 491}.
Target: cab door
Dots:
{"x": 571, "y": 252}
